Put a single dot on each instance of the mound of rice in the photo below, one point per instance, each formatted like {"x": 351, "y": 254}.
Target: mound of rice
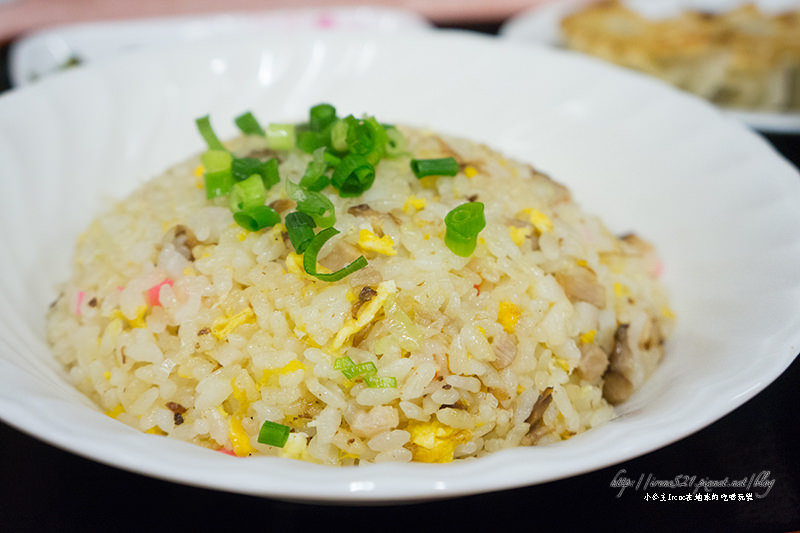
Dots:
{"x": 178, "y": 322}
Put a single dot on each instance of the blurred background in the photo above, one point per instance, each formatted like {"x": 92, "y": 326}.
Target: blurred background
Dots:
{"x": 744, "y": 58}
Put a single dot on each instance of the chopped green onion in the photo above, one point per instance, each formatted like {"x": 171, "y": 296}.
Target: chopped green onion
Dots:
{"x": 343, "y": 362}
{"x": 273, "y": 434}
{"x": 374, "y": 382}
{"x": 248, "y": 124}
{"x": 310, "y": 258}
{"x": 366, "y": 138}
{"x": 207, "y": 132}
{"x": 347, "y": 366}
{"x": 366, "y": 369}
{"x": 269, "y": 173}
{"x": 463, "y": 224}
{"x": 243, "y": 168}
{"x": 321, "y": 116}
{"x": 256, "y": 218}
{"x": 319, "y": 207}
{"x": 397, "y": 142}
{"x": 446, "y": 166}
{"x": 280, "y": 136}
{"x": 247, "y": 194}
{"x": 308, "y": 141}
{"x": 314, "y": 178}
{"x": 331, "y": 159}
{"x": 216, "y": 160}
{"x": 353, "y": 176}
{"x": 339, "y": 136}
{"x": 218, "y": 183}
{"x": 314, "y": 204}
{"x": 300, "y": 227}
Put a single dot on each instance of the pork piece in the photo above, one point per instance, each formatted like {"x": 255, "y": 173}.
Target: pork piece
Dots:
{"x": 593, "y": 363}
{"x": 580, "y": 285}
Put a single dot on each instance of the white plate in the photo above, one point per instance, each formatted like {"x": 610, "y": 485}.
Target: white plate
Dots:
{"x": 47, "y": 51}
{"x": 541, "y": 25}
{"x": 680, "y": 174}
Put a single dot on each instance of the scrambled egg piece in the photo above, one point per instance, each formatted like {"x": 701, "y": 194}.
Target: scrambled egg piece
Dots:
{"x": 136, "y": 322}
{"x": 269, "y": 374}
{"x": 518, "y": 235}
{"x": 365, "y": 315}
{"x": 621, "y": 290}
{"x": 434, "y": 442}
{"x": 239, "y": 439}
{"x": 470, "y": 171}
{"x": 415, "y": 202}
{"x": 223, "y": 326}
{"x": 294, "y": 265}
{"x": 296, "y": 448}
{"x": 539, "y": 220}
{"x": 508, "y": 315}
{"x": 563, "y": 364}
{"x": 370, "y": 242}
{"x": 115, "y": 412}
{"x": 588, "y": 337}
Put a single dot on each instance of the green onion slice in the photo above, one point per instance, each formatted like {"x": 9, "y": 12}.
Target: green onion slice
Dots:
{"x": 243, "y": 168}
{"x": 463, "y": 224}
{"x": 385, "y": 382}
{"x": 367, "y": 138}
{"x": 216, "y": 160}
{"x": 312, "y": 251}
{"x": 397, "y": 142}
{"x": 207, "y": 132}
{"x": 257, "y": 218}
{"x": 321, "y": 116}
{"x": 248, "y": 124}
{"x": 314, "y": 204}
{"x": 273, "y": 434}
{"x": 314, "y": 178}
{"x": 247, "y": 194}
{"x": 300, "y": 227}
{"x": 339, "y": 135}
{"x": 280, "y": 136}
{"x": 446, "y": 166}
{"x": 366, "y": 369}
{"x": 218, "y": 183}
{"x": 347, "y": 367}
{"x": 353, "y": 176}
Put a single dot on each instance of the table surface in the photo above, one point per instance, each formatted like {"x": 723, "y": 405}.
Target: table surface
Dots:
{"x": 43, "y": 488}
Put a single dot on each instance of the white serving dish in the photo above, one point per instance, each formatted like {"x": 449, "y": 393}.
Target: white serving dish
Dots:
{"x": 679, "y": 173}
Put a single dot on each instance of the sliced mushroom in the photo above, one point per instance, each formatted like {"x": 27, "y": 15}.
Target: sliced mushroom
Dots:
{"x": 374, "y": 217}
{"x": 535, "y": 418}
{"x": 593, "y": 363}
{"x": 184, "y": 240}
{"x": 580, "y": 285}
{"x": 617, "y": 388}
{"x": 618, "y": 384}
{"x": 282, "y": 204}
{"x": 366, "y": 294}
